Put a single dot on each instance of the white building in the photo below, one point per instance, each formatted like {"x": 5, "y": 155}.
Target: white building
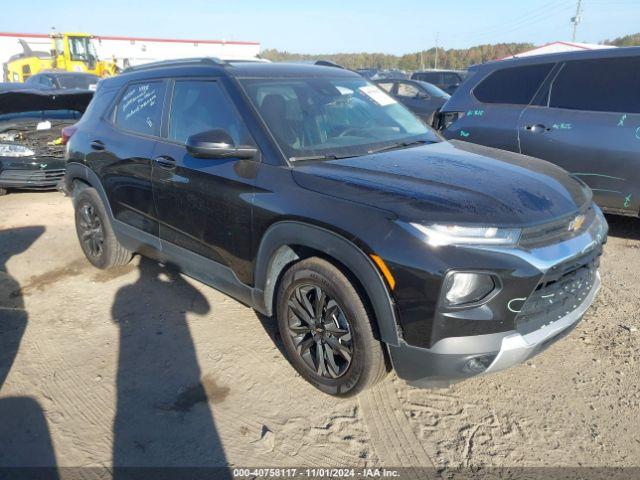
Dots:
{"x": 130, "y": 51}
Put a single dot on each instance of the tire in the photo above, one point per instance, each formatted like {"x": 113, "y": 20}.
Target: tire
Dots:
{"x": 3, "y": 191}
{"x": 351, "y": 361}
{"x": 95, "y": 234}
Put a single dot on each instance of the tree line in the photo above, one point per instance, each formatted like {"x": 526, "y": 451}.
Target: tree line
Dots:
{"x": 456, "y": 59}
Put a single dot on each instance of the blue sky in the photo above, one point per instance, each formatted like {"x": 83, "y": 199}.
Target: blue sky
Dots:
{"x": 328, "y": 26}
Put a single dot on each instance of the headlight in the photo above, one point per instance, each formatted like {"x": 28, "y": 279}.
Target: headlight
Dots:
{"x": 10, "y": 150}
{"x": 438, "y": 235}
{"x": 463, "y": 288}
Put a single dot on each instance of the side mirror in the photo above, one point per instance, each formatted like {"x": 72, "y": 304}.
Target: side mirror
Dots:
{"x": 217, "y": 144}
{"x": 422, "y": 95}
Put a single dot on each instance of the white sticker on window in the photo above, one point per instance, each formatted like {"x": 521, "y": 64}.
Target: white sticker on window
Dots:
{"x": 377, "y": 95}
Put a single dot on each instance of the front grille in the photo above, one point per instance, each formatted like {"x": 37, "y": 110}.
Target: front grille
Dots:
{"x": 554, "y": 232}
{"x": 561, "y": 291}
{"x": 19, "y": 178}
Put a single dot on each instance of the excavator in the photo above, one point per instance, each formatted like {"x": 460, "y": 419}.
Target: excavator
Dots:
{"x": 71, "y": 52}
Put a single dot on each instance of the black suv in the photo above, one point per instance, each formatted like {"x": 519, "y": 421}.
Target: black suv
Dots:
{"x": 579, "y": 110}
{"x": 311, "y": 195}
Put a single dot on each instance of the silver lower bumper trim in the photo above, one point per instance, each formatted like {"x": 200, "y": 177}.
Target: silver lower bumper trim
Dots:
{"x": 516, "y": 348}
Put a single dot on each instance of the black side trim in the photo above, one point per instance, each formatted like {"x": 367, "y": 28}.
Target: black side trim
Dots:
{"x": 275, "y": 254}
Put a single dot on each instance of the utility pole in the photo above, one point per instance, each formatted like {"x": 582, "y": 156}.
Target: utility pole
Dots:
{"x": 576, "y": 20}
{"x": 435, "y": 60}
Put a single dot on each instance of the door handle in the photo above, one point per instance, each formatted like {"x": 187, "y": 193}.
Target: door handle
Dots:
{"x": 538, "y": 128}
{"x": 97, "y": 145}
{"x": 165, "y": 162}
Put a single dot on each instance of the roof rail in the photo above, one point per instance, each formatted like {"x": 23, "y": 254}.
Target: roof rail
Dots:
{"x": 177, "y": 63}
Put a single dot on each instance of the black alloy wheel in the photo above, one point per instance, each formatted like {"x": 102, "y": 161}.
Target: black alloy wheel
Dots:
{"x": 320, "y": 331}
{"x": 91, "y": 230}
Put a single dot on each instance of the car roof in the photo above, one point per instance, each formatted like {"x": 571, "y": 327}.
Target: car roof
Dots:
{"x": 439, "y": 70}
{"x": 562, "y": 57}
{"x": 239, "y": 69}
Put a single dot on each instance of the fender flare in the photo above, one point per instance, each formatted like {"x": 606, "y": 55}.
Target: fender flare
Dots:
{"x": 276, "y": 252}
{"x": 78, "y": 171}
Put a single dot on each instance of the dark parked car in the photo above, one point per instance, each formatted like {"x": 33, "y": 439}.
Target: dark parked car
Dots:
{"x": 421, "y": 98}
{"x": 389, "y": 75}
{"x": 447, "y": 80}
{"x": 368, "y": 73}
{"x": 311, "y": 195}
{"x": 31, "y": 136}
{"x": 61, "y": 80}
{"x": 579, "y": 110}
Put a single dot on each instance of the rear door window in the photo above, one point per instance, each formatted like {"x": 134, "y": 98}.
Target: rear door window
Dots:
{"x": 431, "y": 77}
{"x": 450, "y": 78}
{"x": 407, "y": 90}
{"x": 515, "y": 85}
{"x": 386, "y": 86}
{"x": 140, "y": 108}
{"x": 198, "y": 106}
{"x": 601, "y": 85}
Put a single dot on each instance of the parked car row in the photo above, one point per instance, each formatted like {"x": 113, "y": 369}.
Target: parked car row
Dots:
{"x": 422, "y": 98}
{"x": 447, "y": 80}
{"x": 316, "y": 197}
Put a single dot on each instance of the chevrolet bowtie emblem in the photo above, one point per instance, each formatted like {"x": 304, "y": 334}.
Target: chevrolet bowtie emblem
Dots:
{"x": 576, "y": 223}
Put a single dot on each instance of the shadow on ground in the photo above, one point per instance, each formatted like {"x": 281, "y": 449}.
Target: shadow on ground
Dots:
{"x": 24, "y": 435}
{"x": 163, "y": 418}
{"x": 624, "y": 227}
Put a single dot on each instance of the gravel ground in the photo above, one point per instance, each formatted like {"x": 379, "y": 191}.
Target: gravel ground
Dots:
{"x": 142, "y": 366}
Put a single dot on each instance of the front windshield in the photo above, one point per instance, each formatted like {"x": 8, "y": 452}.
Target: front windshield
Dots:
{"x": 333, "y": 117}
{"x": 82, "y": 48}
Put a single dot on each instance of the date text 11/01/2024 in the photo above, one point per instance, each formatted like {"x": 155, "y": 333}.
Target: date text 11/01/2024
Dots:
{"x": 316, "y": 473}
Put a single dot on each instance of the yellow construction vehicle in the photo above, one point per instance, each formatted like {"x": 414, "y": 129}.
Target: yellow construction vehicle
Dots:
{"x": 72, "y": 52}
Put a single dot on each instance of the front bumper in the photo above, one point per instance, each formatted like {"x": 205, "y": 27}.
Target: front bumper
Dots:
{"x": 447, "y": 361}
{"x": 568, "y": 285}
{"x": 516, "y": 348}
{"x": 31, "y": 174}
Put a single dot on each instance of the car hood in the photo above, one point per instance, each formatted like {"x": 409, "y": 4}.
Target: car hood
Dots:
{"x": 15, "y": 101}
{"x": 450, "y": 182}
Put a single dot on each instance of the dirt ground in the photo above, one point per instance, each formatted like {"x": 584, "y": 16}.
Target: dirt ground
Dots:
{"x": 142, "y": 366}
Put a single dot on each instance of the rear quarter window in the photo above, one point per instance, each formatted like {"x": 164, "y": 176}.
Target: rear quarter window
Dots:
{"x": 516, "y": 85}
{"x": 139, "y": 109}
{"x": 601, "y": 85}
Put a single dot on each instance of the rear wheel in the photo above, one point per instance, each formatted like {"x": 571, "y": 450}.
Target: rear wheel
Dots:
{"x": 326, "y": 330}
{"x": 98, "y": 242}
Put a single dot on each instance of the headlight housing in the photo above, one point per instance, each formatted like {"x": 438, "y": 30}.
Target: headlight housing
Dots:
{"x": 439, "y": 234}
{"x": 12, "y": 150}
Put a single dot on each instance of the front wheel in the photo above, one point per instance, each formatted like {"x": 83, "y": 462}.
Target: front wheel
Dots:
{"x": 326, "y": 330}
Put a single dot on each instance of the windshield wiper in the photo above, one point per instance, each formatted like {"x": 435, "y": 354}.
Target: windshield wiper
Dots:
{"x": 398, "y": 145}
{"x": 374, "y": 150}
{"x": 314, "y": 157}
{"x": 331, "y": 156}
